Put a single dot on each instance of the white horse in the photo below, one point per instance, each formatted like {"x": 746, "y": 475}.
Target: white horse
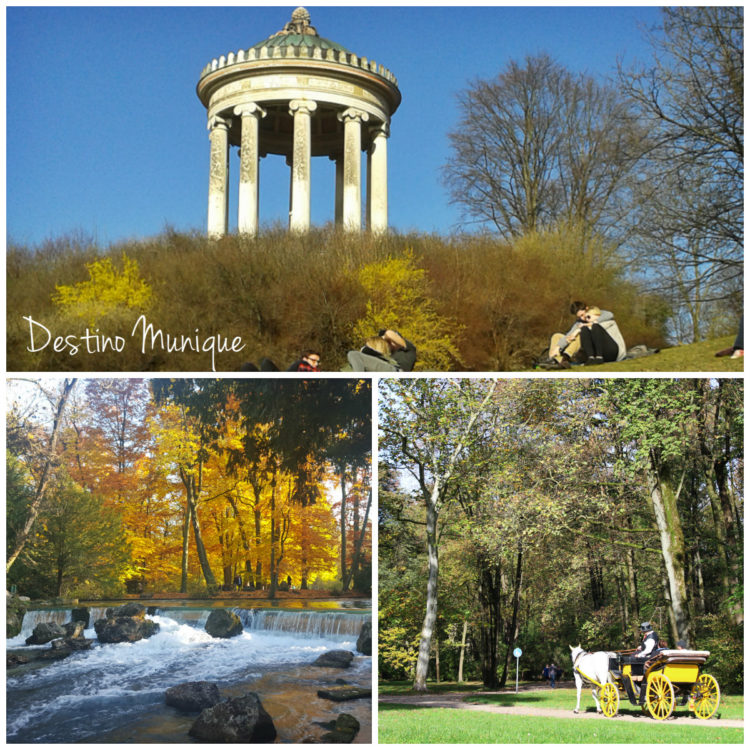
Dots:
{"x": 589, "y": 668}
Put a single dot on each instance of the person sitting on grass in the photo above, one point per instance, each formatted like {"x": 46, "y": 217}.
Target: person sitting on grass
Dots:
{"x": 600, "y": 337}
{"x": 374, "y": 356}
{"x": 566, "y": 348}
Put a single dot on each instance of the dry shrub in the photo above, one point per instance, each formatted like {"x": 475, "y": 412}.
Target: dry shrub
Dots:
{"x": 282, "y": 292}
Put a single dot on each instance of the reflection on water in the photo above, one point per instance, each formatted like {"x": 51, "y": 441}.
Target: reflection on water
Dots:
{"x": 115, "y": 692}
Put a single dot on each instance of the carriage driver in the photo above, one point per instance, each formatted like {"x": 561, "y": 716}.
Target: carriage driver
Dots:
{"x": 649, "y": 644}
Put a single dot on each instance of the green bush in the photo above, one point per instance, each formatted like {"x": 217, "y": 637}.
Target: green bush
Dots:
{"x": 724, "y": 639}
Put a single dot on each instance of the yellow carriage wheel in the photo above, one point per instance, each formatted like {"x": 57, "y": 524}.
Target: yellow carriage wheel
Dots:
{"x": 705, "y": 696}
{"x": 659, "y": 696}
{"x": 610, "y": 699}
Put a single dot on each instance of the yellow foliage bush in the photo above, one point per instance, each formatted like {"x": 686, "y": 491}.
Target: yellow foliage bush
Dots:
{"x": 399, "y": 298}
{"x": 107, "y": 291}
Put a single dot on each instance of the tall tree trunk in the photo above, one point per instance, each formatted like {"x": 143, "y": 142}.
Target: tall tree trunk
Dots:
{"x": 185, "y": 548}
{"x": 243, "y": 532}
{"x": 272, "y": 569}
{"x": 358, "y": 542}
{"x": 430, "y": 617}
{"x": 258, "y": 540}
{"x": 191, "y": 492}
{"x": 44, "y": 477}
{"x": 513, "y": 628}
{"x": 437, "y": 660}
{"x": 664, "y": 502}
{"x": 461, "y": 653}
{"x": 344, "y": 580}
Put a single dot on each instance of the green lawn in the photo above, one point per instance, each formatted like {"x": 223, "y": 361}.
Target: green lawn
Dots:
{"x": 730, "y": 707}
{"x": 689, "y": 358}
{"x": 410, "y": 724}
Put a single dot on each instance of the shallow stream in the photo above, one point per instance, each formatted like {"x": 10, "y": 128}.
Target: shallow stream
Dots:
{"x": 115, "y": 692}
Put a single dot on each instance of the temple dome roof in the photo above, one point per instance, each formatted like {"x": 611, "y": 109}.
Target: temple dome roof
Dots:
{"x": 299, "y": 33}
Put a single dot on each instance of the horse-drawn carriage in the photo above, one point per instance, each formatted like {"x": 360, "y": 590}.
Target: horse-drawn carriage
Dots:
{"x": 657, "y": 684}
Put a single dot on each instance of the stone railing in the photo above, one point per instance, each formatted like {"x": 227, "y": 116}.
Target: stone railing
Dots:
{"x": 290, "y": 52}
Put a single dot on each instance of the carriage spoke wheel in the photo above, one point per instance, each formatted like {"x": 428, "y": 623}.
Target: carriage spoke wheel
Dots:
{"x": 705, "y": 696}
{"x": 610, "y": 699}
{"x": 659, "y": 697}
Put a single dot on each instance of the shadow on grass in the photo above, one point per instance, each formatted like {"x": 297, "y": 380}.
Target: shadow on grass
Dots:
{"x": 505, "y": 700}
{"x": 400, "y": 707}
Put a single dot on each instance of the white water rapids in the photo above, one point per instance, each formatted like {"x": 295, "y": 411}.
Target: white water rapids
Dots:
{"x": 115, "y": 692}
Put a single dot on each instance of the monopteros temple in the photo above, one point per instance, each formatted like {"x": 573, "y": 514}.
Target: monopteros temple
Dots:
{"x": 299, "y": 95}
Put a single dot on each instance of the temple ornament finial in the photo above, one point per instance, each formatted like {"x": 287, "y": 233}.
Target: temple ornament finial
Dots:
{"x": 300, "y": 24}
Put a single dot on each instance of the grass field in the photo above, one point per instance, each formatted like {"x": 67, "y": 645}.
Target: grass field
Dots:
{"x": 413, "y": 724}
{"x": 689, "y": 358}
{"x": 409, "y": 724}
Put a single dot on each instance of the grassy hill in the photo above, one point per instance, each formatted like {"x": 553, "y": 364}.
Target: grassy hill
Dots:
{"x": 698, "y": 357}
{"x": 473, "y": 303}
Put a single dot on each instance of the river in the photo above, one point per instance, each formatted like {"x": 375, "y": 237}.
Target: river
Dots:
{"x": 115, "y": 692}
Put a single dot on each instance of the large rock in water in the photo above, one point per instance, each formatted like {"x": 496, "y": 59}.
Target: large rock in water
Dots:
{"x": 45, "y": 632}
{"x": 343, "y": 693}
{"x": 222, "y": 623}
{"x": 235, "y": 720}
{"x": 131, "y": 609}
{"x": 81, "y": 614}
{"x": 126, "y": 623}
{"x": 340, "y": 659}
{"x": 193, "y": 696}
{"x": 364, "y": 642}
{"x": 344, "y": 729}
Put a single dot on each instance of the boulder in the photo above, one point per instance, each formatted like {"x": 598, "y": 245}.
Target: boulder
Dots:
{"x": 340, "y": 659}
{"x": 62, "y": 647}
{"x": 344, "y": 729}
{"x": 222, "y": 623}
{"x": 120, "y": 629}
{"x": 364, "y": 642}
{"x": 240, "y": 719}
{"x": 15, "y": 660}
{"x": 193, "y": 696}
{"x": 131, "y": 609}
{"x": 81, "y": 614}
{"x": 344, "y": 693}
{"x": 74, "y": 629}
{"x": 45, "y": 632}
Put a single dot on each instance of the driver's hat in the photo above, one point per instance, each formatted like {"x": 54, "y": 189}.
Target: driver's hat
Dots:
{"x": 645, "y": 627}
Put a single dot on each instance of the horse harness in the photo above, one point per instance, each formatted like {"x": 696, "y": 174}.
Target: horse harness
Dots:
{"x": 583, "y": 674}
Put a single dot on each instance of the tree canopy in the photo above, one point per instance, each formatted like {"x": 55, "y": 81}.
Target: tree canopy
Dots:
{"x": 191, "y": 484}
{"x": 580, "y": 509}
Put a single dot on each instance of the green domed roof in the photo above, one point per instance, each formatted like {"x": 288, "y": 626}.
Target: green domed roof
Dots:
{"x": 299, "y": 33}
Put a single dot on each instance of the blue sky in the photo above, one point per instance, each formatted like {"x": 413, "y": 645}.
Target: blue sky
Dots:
{"x": 106, "y": 137}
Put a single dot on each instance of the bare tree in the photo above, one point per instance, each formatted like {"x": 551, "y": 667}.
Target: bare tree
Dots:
{"x": 538, "y": 146}
{"x": 689, "y": 195}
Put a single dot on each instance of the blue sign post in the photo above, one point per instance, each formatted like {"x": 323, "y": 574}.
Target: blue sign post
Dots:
{"x": 517, "y": 653}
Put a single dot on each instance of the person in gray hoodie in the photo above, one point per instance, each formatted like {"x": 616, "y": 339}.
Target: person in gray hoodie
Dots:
{"x": 600, "y": 337}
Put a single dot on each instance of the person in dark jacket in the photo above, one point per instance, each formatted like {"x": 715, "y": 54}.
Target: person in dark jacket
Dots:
{"x": 403, "y": 351}
{"x": 308, "y": 362}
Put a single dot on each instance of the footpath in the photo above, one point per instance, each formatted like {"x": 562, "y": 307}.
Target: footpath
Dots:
{"x": 459, "y": 700}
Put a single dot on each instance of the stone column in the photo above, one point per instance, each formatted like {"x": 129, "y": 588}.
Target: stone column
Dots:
{"x": 299, "y": 215}
{"x": 338, "y": 214}
{"x": 218, "y": 177}
{"x": 247, "y": 211}
{"x": 352, "y": 208}
{"x": 377, "y": 180}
